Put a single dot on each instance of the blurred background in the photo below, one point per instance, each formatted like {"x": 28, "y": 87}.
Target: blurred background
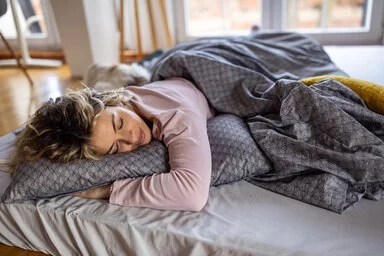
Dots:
{"x": 239, "y": 15}
{"x": 57, "y": 40}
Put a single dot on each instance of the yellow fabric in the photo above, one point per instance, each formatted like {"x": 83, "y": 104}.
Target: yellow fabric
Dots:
{"x": 372, "y": 94}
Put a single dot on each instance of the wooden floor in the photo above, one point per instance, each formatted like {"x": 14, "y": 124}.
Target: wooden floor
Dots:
{"x": 18, "y": 100}
{"x": 14, "y": 251}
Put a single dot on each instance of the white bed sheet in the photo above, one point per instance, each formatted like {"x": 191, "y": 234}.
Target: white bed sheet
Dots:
{"x": 239, "y": 219}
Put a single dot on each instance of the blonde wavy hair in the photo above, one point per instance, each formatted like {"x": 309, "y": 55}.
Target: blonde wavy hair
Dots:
{"x": 61, "y": 129}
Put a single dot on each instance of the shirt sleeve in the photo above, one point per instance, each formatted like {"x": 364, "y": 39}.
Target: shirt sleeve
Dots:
{"x": 186, "y": 185}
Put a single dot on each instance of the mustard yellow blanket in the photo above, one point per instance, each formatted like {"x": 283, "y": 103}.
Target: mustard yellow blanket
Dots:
{"x": 372, "y": 94}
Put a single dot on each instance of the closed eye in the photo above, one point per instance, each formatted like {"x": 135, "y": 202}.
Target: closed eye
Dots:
{"x": 121, "y": 123}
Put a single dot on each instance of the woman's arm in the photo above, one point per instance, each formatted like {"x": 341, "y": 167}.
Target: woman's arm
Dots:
{"x": 103, "y": 192}
{"x": 185, "y": 187}
{"x": 180, "y": 189}
{"x": 180, "y": 111}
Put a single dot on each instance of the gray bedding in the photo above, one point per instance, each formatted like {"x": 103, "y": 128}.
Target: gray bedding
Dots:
{"x": 235, "y": 156}
{"x": 317, "y": 144}
{"x": 322, "y": 144}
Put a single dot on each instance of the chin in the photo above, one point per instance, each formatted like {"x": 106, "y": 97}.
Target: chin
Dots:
{"x": 148, "y": 139}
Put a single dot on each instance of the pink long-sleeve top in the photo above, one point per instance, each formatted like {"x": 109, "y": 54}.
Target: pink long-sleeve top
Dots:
{"x": 179, "y": 113}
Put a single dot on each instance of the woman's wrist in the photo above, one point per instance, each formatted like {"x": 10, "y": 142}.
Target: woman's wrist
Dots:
{"x": 110, "y": 190}
{"x": 103, "y": 192}
{"x": 107, "y": 191}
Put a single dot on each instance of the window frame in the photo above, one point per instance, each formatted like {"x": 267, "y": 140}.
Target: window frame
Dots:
{"x": 371, "y": 36}
{"x": 51, "y": 41}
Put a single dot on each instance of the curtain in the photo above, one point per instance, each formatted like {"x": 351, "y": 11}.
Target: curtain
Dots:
{"x": 150, "y": 41}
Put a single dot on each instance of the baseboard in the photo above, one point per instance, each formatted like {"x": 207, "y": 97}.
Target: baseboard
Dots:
{"x": 129, "y": 55}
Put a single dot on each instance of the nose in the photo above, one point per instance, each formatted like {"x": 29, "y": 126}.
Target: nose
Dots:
{"x": 127, "y": 135}
{"x": 127, "y": 140}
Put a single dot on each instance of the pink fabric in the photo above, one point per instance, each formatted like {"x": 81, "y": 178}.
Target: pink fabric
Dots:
{"x": 179, "y": 112}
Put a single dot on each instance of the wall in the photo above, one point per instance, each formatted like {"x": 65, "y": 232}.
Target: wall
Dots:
{"x": 88, "y": 32}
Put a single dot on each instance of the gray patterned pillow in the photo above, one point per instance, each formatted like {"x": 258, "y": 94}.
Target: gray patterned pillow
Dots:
{"x": 235, "y": 156}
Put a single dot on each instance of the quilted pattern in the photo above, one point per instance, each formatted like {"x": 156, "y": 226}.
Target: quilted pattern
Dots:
{"x": 372, "y": 94}
{"x": 324, "y": 129}
{"x": 325, "y": 189}
{"x": 235, "y": 155}
{"x": 318, "y": 144}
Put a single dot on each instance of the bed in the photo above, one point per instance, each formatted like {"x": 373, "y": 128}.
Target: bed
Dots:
{"x": 239, "y": 218}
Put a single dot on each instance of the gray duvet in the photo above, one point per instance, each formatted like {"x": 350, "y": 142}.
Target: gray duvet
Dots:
{"x": 321, "y": 144}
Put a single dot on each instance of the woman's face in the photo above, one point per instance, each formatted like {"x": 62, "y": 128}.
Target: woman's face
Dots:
{"x": 119, "y": 129}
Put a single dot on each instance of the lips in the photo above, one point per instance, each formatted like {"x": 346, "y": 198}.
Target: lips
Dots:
{"x": 142, "y": 137}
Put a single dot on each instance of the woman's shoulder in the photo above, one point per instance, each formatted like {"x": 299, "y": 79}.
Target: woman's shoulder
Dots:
{"x": 168, "y": 93}
{"x": 173, "y": 83}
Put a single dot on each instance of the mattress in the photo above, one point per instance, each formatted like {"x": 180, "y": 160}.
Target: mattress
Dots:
{"x": 239, "y": 218}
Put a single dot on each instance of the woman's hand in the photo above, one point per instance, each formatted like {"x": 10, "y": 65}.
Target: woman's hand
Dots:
{"x": 103, "y": 192}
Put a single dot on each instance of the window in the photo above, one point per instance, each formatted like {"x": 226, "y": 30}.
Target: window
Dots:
{"x": 221, "y": 17}
{"x": 328, "y": 21}
{"x": 36, "y": 21}
{"x": 326, "y": 15}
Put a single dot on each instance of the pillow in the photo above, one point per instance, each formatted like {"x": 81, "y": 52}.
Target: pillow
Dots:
{"x": 235, "y": 156}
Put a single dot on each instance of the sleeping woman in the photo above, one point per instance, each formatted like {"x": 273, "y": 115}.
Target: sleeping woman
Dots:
{"x": 89, "y": 124}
